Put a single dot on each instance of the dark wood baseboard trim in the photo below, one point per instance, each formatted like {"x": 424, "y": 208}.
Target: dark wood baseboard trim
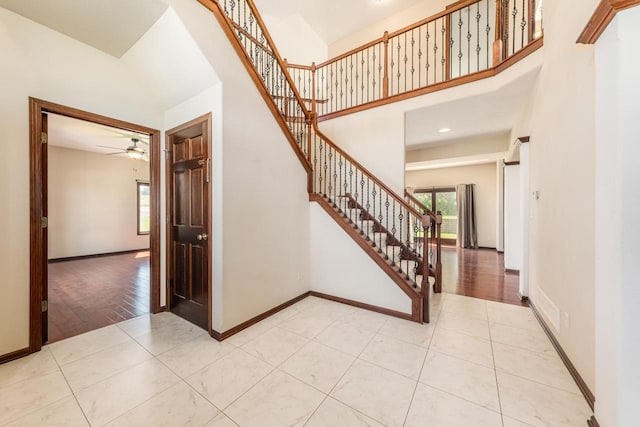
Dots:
{"x": 512, "y": 271}
{"x": 588, "y": 395}
{"x": 363, "y": 305}
{"x": 76, "y": 258}
{"x": 14, "y": 355}
{"x": 593, "y": 422}
{"x": 221, "y": 336}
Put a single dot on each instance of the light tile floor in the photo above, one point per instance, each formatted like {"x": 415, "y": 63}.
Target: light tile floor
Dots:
{"x": 317, "y": 363}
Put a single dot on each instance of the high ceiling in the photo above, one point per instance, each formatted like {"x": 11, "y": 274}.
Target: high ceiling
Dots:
{"x": 333, "y": 20}
{"x": 112, "y": 26}
{"x": 489, "y": 113}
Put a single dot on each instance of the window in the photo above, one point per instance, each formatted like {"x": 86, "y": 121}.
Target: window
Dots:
{"x": 144, "y": 208}
{"x": 444, "y": 200}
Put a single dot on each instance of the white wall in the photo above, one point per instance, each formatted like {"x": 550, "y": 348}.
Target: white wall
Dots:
{"x": 512, "y": 218}
{"x": 341, "y": 268}
{"x": 562, "y": 160}
{"x": 483, "y": 176}
{"x": 50, "y": 66}
{"x": 295, "y": 40}
{"x": 265, "y": 207}
{"x": 617, "y": 212}
{"x": 93, "y": 203}
{"x": 394, "y": 22}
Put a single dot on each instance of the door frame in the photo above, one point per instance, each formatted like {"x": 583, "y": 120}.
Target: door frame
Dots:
{"x": 38, "y": 251}
{"x": 207, "y": 120}
{"x": 434, "y": 206}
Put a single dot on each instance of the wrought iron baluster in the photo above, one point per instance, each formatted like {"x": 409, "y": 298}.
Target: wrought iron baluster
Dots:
{"x": 478, "y": 48}
{"x": 368, "y": 208}
{"x": 350, "y": 193}
{"x": 387, "y": 204}
{"x": 380, "y": 219}
{"x": 335, "y": 177}
{"x": 362, "y": 202}
{"x": 443, "y": 60}
{"x": 468, "y": 40}
{"x": 393, "y": 232}
{"x": 460, "y": 23}
{"x": 514, "y": 13}
{"x": 523, "y": 24}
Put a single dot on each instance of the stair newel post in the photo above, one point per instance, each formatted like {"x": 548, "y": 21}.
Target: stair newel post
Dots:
{"x": 313, "y": 89}
{"x": 313, "y": 108}
{"x": 498, "y": 44}
{"x": 424, "y": 286}
{"x": 438, "y": 285}
{"x": 385, "y": 79}
{"x": 532, "y": 20}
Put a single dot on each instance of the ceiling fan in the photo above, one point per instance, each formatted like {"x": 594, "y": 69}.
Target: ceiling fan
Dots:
{"x": 133, "y": 151}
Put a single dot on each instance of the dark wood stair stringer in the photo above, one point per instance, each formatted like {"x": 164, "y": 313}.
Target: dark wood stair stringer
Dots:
{"x": 418, "y": 313}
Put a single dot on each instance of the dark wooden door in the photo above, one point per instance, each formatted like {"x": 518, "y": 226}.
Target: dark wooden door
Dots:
{"x": 189, "y": 234}
{"x": 45, "y": 233}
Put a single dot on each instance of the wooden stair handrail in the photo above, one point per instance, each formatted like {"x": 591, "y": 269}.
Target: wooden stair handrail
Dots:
{"x": 602, "y": 16}
{"x": 421, "y": 205}
{"x": 228, "y": 28}
{"x": 450, "y": 9}
{"x": 370, "y": 175}
{"x": 274, "y": 50}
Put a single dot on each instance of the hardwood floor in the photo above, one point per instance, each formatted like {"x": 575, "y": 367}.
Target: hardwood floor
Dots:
{"x": 478, "y": 273}
{"x": 92, "y": 293}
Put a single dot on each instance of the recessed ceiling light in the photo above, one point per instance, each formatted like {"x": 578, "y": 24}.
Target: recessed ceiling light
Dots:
{"x": 444, "y": 130}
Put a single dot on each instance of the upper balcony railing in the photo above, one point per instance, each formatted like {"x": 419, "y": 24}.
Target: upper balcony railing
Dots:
{"x": 468, "y": 38}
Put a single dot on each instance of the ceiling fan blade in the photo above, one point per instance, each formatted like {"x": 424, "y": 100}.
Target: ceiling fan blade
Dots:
{"x": 111, "y": 148}
{"x": 115, "y": 154}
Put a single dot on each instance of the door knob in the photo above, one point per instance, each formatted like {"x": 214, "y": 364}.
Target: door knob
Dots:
{"x": 202, "y": 236}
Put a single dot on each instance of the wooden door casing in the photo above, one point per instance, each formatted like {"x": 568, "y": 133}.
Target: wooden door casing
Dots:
{"x": 188, "y": 172}
{"x": 45, "y": 231}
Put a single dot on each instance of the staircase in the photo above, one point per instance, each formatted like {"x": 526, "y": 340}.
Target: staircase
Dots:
{"x": 402, "y": 237}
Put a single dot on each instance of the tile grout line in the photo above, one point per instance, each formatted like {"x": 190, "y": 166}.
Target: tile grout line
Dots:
{"x": 71, "y": 390}
{"x": 424, "y": 359}
{"x": 328, "y": 395}
{"x": 495, "y": 370}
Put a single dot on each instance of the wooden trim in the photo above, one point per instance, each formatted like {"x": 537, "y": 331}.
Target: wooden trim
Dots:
{"x": 363, "y": 305}
{"x": 523, "y": 139}
{"x": 227, "y": 26}
{"x": 38, "y": 251}
{"x": 516, "y": 163}
{"x": 221, "y": 336}
{"x": 588, "y": 395}
{"x": 81, "y": 257}
{"x": 138, "y": 185}
{"x": 351, "y": 52}
{"x": 593, "y": 422}
{"x": 602, "y": 17}
{"x": 207, "y": 120}
{"x": 391, "y": 271}
{"x": 511, "y": 271}
{"x": 5, "y": 358}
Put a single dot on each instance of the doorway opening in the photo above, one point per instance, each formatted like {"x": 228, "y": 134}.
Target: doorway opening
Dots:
{"x": 95, "y": 221}
{"x": 443, "y": 200}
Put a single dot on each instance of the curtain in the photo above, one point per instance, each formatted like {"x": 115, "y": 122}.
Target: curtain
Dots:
{"x": 467, "y": 233}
